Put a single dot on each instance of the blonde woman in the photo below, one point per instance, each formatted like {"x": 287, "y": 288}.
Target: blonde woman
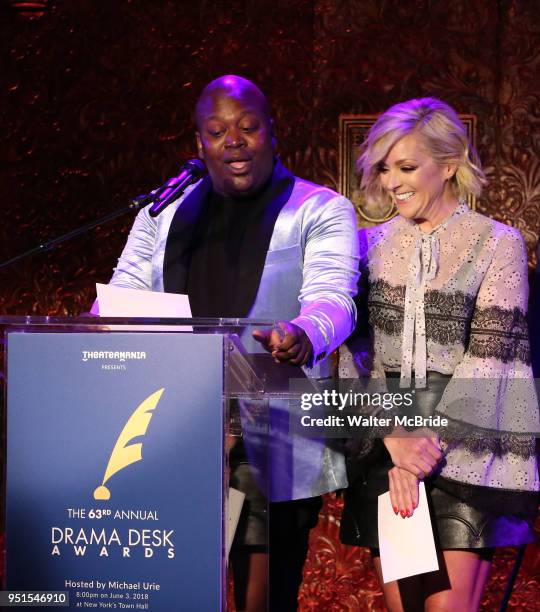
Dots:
{"x": 446, "y": 297}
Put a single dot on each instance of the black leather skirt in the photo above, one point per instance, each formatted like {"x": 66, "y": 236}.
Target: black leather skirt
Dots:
{"x": 252, "y": 528}
{"x": 463, "y": 516}
{"x": 457, "y": 522}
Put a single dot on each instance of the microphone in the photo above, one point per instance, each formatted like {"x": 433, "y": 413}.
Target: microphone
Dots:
{"x": 190, "y": 173}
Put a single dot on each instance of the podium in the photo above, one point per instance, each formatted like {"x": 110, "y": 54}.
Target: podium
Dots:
{"x": 117, "y": 480}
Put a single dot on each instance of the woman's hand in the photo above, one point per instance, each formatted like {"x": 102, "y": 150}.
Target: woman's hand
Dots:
{"x": 418, "y": 452}
{"x": 403, "y": 491}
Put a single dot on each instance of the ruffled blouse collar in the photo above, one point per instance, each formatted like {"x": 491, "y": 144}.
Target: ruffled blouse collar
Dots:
{"x": 423, "y": 267}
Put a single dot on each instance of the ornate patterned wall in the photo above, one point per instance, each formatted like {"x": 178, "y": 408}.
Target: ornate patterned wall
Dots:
{"x": 96, "y": 108}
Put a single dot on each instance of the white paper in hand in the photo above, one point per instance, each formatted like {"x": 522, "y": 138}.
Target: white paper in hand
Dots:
{"x": 407, "y": 545}
{"x": 122, "y": 302}
{"x": 235, "y": 502}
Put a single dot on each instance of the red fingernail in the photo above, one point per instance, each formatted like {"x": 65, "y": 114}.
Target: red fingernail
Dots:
{"x": 414, "y": 506}
{"x": 409, "y": 513}
{"x": 403, "y": 514}
{"x": 395, "y": 510}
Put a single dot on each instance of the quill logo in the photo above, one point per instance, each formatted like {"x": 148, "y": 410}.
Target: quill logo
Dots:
{"x": 124, "y": 453}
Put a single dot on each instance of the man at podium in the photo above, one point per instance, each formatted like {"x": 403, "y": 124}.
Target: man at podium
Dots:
{"x": 252, "y": 240}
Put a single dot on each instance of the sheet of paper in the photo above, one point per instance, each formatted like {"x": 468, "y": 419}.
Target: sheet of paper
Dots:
{"x": 234, "y": 508}
{"x": 121, "y": 302}
{"x": 407, "y": 545}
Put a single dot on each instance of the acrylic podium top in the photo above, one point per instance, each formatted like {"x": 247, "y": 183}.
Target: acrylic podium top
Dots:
{"x": 91, "y": 323}
{"x": 250, "y": 369}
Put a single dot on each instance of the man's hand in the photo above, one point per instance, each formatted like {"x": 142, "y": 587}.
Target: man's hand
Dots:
{"x": 403, "y": 488}
{"x": 288, "y": 344}
{"x": 418, "y": 452}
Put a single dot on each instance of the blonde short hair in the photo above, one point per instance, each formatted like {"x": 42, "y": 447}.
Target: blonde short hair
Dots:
{"x": 445, "y": 139}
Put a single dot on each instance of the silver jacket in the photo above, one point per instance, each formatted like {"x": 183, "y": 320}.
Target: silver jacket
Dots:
{"x": 310, "y": 277}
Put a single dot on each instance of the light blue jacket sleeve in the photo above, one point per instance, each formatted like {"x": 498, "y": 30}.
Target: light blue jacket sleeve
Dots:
{"x": 330, "y": 277}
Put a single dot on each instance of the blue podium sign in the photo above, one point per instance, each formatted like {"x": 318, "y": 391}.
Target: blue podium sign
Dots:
{"x": 115, "y": 469}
